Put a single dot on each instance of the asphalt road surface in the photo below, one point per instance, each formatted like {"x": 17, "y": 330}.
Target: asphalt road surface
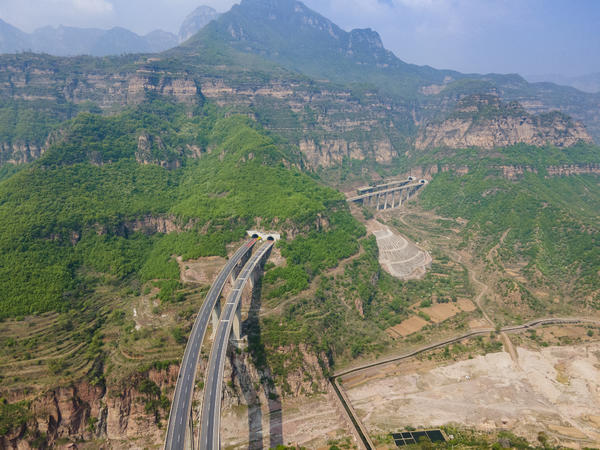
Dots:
{"x": 211, "y": 406}
{"x": 182, "y": 399}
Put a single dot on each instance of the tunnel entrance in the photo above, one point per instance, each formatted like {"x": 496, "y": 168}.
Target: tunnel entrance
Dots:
{"x": 266, "y": 235}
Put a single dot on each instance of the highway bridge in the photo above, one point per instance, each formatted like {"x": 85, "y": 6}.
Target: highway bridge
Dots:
{"x": 209, "y": 437}
{"x": 383, "y": 196}
{"x": 180, "y": 414}
{"x": 180, "y": 427}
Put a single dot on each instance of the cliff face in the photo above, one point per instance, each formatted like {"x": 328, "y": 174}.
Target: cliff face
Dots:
{"x": 511, "y": 172}
{"x": 485, "y": 122}
{"x": 23, "y": 152}
{"x": 40, "y": 78}
{"x": 514, "y": 172}
{"x": 328, "y": 125}
{"x": 85, "y": 412}
{"x": 126, "y": 416}
{"x": 19, "y": 153}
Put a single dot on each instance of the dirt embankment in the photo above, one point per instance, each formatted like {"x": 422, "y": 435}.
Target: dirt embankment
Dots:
{"x": 399, "y": 256}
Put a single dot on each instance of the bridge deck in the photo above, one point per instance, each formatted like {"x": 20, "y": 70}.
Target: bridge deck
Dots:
{"x": 211, "y": 406}
{"x": 182, "y": 399}
{"x": 382, "y": 186}
{"x": 387, "y": 191}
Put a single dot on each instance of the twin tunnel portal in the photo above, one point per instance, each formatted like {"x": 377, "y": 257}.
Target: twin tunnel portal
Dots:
{"x": 243, "y": 266}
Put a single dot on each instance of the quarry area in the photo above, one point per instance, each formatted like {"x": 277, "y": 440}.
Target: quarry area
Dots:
{"x": 555, "y": 390}
{"x": 397, "y": 255}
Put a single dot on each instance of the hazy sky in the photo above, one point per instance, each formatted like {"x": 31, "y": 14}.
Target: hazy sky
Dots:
{"x": 524, "y": 36}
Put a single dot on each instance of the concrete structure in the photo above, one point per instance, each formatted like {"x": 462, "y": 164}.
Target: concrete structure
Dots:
{"x": 388, "y": 195}
{"x": 179, "y": 430}
{"x": 229, "y": 324}
{"x": 265, "y": 235}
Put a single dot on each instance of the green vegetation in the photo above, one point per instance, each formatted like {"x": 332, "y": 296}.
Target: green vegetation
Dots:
{"x": 12, "y": 416}
{"x": 84, "y": 204}
{"x": 30, "y": 122}
{"x": 551, "y": 225}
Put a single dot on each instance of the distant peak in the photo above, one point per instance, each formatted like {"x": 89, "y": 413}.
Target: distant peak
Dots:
{"x": 197, "y": 20}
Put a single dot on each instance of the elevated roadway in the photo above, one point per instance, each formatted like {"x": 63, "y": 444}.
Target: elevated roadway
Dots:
{"x": 384, "y": 195}
{"x": 209, "y": 437}
{"x": 179, "y": 434}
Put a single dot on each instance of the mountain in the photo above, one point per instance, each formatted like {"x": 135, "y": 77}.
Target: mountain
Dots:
{"x": 292, "y": 35}
{"x": 68, "y": 41}
{"x": 586, "y": 83}
{"x": 159, "y": 40}
{"x": 338, "y": 96}
{"x": 485, "y": 122}
{"x": 195, "y": 21}
{"x": 12, "y": 39}
{"x": 65, "y": 41}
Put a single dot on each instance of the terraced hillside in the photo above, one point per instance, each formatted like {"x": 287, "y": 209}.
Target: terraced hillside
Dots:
{"x": 400, "y": 257}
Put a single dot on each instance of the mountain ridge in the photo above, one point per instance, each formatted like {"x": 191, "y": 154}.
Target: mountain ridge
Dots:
{"x": 258, "y": 59}
{"x": 71, "y": 41}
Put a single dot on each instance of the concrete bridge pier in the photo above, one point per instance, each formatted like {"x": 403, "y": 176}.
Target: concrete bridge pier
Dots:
{"x": 215, "y": 315}
{"x": 236, "y": 337}
{"x": 236, "y": 330}
{"x": 238, "y": 267}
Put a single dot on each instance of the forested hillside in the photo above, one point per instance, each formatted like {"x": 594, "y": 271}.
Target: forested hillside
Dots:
{"x": 75, "y": 208}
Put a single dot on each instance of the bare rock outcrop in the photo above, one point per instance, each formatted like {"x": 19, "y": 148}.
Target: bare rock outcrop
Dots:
{"x": 484, "y": 121}
{"x": 83, "y": 412}
{"x": 514, "y": 172}
{"x": 21, "y": 152}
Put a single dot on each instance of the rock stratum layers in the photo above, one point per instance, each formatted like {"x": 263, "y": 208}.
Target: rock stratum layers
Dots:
{"x": 485, "y": 122}
{"x": 329, "y": 124}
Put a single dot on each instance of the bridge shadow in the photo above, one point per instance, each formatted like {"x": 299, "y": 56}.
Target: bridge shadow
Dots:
{"x": 250, "y": 394}
{"x": 250, "y": 390}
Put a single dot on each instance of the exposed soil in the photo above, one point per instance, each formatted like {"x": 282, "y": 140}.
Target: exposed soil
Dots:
{"x": 557, "y": 391}
{"x": 305, "y": 421}
{"x": 438, "y": 313}
{"x": 202, "y": 270}
{"x": 399, "y": 256}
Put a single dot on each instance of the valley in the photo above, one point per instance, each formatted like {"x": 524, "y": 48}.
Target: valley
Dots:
{"x": 435, "y": 260}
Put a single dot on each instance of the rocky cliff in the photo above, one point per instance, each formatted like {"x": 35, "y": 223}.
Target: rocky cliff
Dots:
{"x": 29, "y": 77}
{"x": 134, "y": 413}
{"x": 84, "y": 412}
{"x": 329, "y": 123}
{"x": 511, "y": 172}
{"x": 484, "y": 121}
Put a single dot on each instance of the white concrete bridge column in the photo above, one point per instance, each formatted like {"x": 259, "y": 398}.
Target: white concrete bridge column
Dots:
{"x": 236, "y": 331}
{"x": 215, "y": 315}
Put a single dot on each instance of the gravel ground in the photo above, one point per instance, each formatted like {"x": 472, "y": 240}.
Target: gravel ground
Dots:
{"x": 556, "y": 390}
